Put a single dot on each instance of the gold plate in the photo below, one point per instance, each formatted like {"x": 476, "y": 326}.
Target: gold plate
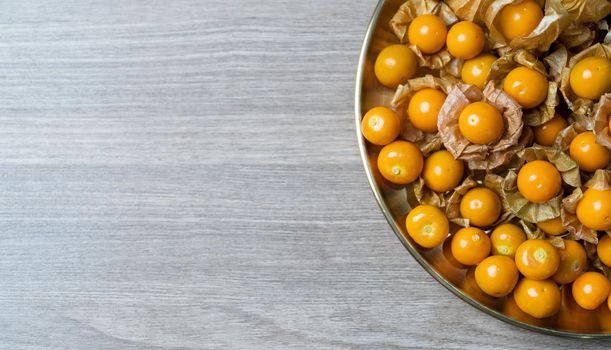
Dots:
{"x": 394, "y": 201}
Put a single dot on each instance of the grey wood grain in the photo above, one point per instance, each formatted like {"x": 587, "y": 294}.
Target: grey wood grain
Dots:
{"x": 184, "y": 175}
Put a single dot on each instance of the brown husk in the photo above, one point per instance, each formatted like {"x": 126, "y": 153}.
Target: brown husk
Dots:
{"x": 568, "y": 168}
{"x": 482, "y": 157}
{"x": 577, "y": 231}
{"x": 578, "y": 105}
{"x": 531, "y": 230}
{"x": 555, "y": 20}
{"x": 425, "y": 196}
{"x": 404, "y": 93}
{"x": 411, "y": 9}
{"x": 566, "y": 135}
{"x": 513, "y": 59}
{"x": 601, "y": 121}
{"x": 491, "y": 181}
{"x": 470, "y": 10}
{"x": 578, "y": 36}
{"x": 581, "y": 11}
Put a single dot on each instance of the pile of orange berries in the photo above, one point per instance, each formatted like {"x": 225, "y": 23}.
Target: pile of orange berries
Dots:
{"x": 506, "y": 263}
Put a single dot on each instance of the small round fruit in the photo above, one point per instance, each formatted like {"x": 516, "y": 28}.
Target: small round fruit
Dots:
{"x": 609, "y": 302}
{"x": 527, "y": 86}
{"x": 497, "y": 275}
{"x": 470, "y": 245}
{"x": 591, "y": 77}
{"x": 424, "y": 108}
{"x": 594, "y": 209}
{"x": 573, "y": 261}
{"x": 381, "y": 126}
{"x": 537, "y": 298}
{"x": 442, "y": 172}
{"x": 475, "y": 71}
{"x": 395, "y": 65}
{"x": 506, "y": 239}
{"x": 481, "y": 123}
{"x": 603, "y": 249}
{"x": 400, "y": 162}
{"x": 587, "y": 153}
{"x": 481, "y": 206}
{"x": 537, "y": 259}
{"x": 428, "y": 33}
{"x": 519, "y": 20}
{"x": 539, "y": 181}
{"x": 591, "y": 289}
{"x": 552, "y": 227}
{"x": 427, "y": 225}
{"x": 546, "y": 134}
{"x": 465, "y": 40}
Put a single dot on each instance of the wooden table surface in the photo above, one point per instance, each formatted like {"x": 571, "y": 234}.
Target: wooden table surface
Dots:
{"x": 184, "y": 175}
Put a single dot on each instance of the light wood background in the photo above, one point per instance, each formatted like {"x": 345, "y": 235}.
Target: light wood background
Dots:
{"x": 184, "y": 175}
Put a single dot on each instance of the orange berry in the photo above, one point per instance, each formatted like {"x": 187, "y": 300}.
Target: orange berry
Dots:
{"x": 594, "y": 209}
{"x": 519, "y": 20}
{"x": 552, "y": 227}
{"x": 537, "y": 259}
{"x": 591, "y": 77}
{"x": 481, "y": 206}
{"x": 428, "y": 33}
{"x": 573, "y": 261}
{"x": 591, "y": 289}
{"x": 395, "y": 65}
{"x": 497, "y": 275}
{"x": 475, "y": 71}
{"x": 527, "y": 86}
{"x": 424, "y": 108}
{"x": 539, "y": 181}
{"x": 470, "y": 245}
{"x": 546, "y": 134}
{"x": 587, "y": 153}
{"x": 380, "y": 126}
{"x": 537, "y": 298}
{"x": 603, "y": 249}
{"x": 506, "y": 239}
{"x": 442, "y": 172}
{"x": 427, "y": 225}
{"x": 481, "y": 123}
{"x": 465, "y": 40}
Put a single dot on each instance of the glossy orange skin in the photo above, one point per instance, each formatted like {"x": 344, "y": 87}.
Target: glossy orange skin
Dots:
{"x": 395, "y": 65}
{"x": 546, "y": 134}
{"x": 476, "y": 70}
{"x": 590, "y": 78}
{"x": 506, "y": 239}
{"x": 428, "y": 33}
{"x": 497, "y": 275}
{"x": 481, "y": 206}
{"x": 465, "y": 40}
{"x": 380, "y": 126}
{"x": 552, "y": 227}
{"x": 537, "y": 259}
{"x": 519, "y": 20}
{"x": 594, "y": 209}
{"x": 527, "y": 86}
{"x": 442, "y": 172}
{"x": 573, "y": 261}
{"x": 609, "y": 302}
{"x": 538, "y": 298}
{"x": 511, "y": 309}
{"x": 539, "y": 181}
{"x": 424, "y": 107}
{"x": 427, "y": 225}
{"x": 591, "y": 289}
{"x": 470, "y": 245}
{"x": 603, "y": 249}
{"x": 573, "y": 317}
{"x": 481, "y": 123}
{"x": 400, "y": 162}
{"x": 470, "y": 287}
{"x": 587, "y": 153}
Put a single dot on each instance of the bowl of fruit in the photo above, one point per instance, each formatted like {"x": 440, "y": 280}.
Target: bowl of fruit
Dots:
{"x": 484, "y": 129}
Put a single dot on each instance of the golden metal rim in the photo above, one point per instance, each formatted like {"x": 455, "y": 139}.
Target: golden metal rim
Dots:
{"x": 393, "y": 224}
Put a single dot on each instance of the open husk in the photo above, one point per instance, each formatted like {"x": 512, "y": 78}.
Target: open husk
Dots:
{"x": 537, "y": 212}
{"x": 470, "y": 10}
{"x": 491, "y": 181}
{"x": 577, "y": 231}
{"x": 566, "y": 135}
{"x": 560, "y": 58}
{"x": 578, "y": 36}
{"x": 581, "y": 11}
{"x": 555, "y": 20}
{"x": 404, "y": 93}
{"x": 513, "y": 59}
{"x": 411, "y": 9}
{"x": 602, "y": 117}
{"x": 482, "y": 157}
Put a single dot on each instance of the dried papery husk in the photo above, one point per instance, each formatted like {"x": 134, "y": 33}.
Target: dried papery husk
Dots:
{"x": 602, "y": 117}
{"x": 578, "y": 36}
{"x": 556, "y": 241}
{"x": 424, "y": 195}
{"x": 577, "y": 231}
{"x": 514, "y": 59}
{"x": 597, "y": 264}
{"x": 404, "y": 93}
{"x": 482, "y": 157}
{"x": 525, "y": 209}
{"x": 490, "y": 181}
{"x": 581, "y": 11}
{"x": 578, "y": 105}
{"x": 568, "y": 168}
{"x": 555, "y": 20}
{"x": 405, "y": 15}
{"x": 470, "y": 10}
{"x": 531, "y": 230}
